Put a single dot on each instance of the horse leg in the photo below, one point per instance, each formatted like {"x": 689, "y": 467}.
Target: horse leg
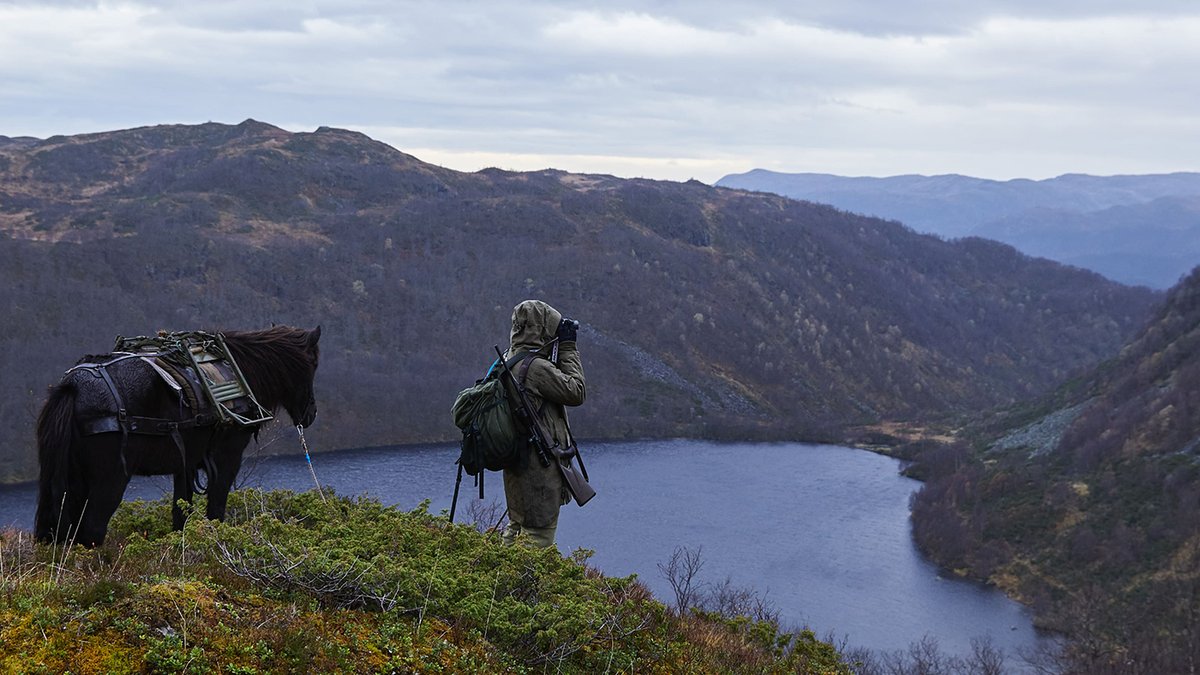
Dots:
{"x": 106, "y": 487}
{"x": 102, "y": 501}
{"x": 74, "y": 501}
{"x": 227, "y": 461}
{"x": 183, "y": 492}
{"x": 218, "y": 496}
{"x": 70, "y": 516}
{"x": 95, "y": 488}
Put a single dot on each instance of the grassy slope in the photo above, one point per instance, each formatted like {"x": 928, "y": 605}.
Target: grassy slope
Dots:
{"x": 292, "y": 583}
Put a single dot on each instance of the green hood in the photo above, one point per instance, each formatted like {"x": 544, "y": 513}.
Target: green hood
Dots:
{"x": 534, "y": 323}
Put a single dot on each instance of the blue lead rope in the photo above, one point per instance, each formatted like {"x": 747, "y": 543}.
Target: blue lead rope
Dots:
{"x": 308, "y": 458}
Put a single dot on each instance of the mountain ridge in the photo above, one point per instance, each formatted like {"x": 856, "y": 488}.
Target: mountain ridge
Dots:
{"x": 1061, "y": 215}
{"x": 744, "y": 315}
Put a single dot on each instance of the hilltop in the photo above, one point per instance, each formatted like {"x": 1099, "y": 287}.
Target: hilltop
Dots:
{"x": 301, "y": 583}
{"x": 707, "y": 312}
{"x": 1134, "y": 229}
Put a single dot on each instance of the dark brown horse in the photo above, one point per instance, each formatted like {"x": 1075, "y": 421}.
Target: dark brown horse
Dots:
{"x": 108, "y": 419}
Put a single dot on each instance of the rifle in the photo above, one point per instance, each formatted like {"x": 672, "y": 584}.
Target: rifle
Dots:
{"x": 577, "y": 484}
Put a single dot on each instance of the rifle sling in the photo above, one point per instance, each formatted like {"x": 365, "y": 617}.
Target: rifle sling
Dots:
{"x": 575, "y": 449}
{"x": 572, "y": 449}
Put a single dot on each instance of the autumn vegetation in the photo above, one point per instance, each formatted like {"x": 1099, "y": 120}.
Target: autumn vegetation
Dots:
{"x": 1086, "y": 503}
{"x": 297, "y": 583}
{"x": 706, "y": 312}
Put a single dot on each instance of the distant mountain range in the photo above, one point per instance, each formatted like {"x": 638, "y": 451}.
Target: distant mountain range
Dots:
{"x": 1133, "y": 229}
{"x": 706, "y": 312}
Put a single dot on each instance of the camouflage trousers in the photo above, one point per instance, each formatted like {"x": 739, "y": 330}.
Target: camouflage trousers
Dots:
{"x": 533, "y": 495}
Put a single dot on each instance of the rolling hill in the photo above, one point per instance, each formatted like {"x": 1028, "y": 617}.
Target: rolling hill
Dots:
{"x": 1142, "y": 230}
{"x": 706, "y": 311}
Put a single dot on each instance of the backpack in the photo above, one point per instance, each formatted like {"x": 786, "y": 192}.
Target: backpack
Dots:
{"x": 493, "y": 439}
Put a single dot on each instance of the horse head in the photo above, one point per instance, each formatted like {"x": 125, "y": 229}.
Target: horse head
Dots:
{"x": 302, "y": 405}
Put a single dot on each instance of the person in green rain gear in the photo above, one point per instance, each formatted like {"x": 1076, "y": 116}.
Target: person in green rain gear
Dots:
{"x": 534, "y": 492}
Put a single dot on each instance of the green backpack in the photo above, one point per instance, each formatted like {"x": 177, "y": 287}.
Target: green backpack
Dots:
{"x": 493, "y": 439}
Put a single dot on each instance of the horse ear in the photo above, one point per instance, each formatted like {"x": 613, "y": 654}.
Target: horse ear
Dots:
{"x": 314, "y": 335}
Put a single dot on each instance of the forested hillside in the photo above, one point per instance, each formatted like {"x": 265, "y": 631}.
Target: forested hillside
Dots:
{"x": 707, "y": 312}
{"x": 1087, "y": 502}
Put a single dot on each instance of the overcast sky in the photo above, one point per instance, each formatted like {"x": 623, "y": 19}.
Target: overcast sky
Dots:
{"x": 672, "y": 89}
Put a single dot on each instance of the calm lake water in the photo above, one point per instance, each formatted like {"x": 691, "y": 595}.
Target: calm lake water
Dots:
{"x": 822, "y": 531}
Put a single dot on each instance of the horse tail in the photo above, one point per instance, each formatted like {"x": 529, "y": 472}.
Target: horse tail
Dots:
{"x": 55, "y": 431}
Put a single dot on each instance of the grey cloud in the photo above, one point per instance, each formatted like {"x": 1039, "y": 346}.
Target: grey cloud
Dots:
{"x": 886, "y": 17}
{"x": 767, "y": 82}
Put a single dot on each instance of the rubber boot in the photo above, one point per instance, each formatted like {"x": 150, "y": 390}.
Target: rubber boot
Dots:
{"x": 511, "y": 531}
{"x": 539, "y": 537}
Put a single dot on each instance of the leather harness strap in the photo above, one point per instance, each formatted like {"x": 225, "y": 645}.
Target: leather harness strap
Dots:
{"x": 155, "y": 426}
{"x": 122, "y": 415}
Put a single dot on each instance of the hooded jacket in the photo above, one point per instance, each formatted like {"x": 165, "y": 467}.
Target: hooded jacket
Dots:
{"x": 534, "y": 492}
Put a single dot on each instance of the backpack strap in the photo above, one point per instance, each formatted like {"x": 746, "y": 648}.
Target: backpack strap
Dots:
{"x": 523, "y": 366}
{"x": 511, "y": 363}
{"x": 523, "y": 372}
{"x": 518, "y": 365}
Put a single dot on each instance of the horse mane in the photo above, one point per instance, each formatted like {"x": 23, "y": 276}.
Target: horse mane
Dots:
{"x": 274, "y": 360}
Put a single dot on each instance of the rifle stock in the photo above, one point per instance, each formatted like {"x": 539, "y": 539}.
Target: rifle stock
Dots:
{"x": 576, "y": 484}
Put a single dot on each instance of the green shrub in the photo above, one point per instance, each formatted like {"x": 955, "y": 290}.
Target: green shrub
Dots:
{"x": 294, "y": 582}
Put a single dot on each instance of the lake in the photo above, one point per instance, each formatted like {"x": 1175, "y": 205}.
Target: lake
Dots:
{"x": 821, "y": 531}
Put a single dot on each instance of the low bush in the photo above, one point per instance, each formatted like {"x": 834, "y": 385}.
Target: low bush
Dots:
{"x": 294, "y": 582}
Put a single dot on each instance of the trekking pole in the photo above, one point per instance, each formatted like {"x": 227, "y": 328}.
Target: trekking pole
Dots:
{"x": 307, "y": 458}
{"x": 501, "y": 520}
{"x": 457, "y": 482}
